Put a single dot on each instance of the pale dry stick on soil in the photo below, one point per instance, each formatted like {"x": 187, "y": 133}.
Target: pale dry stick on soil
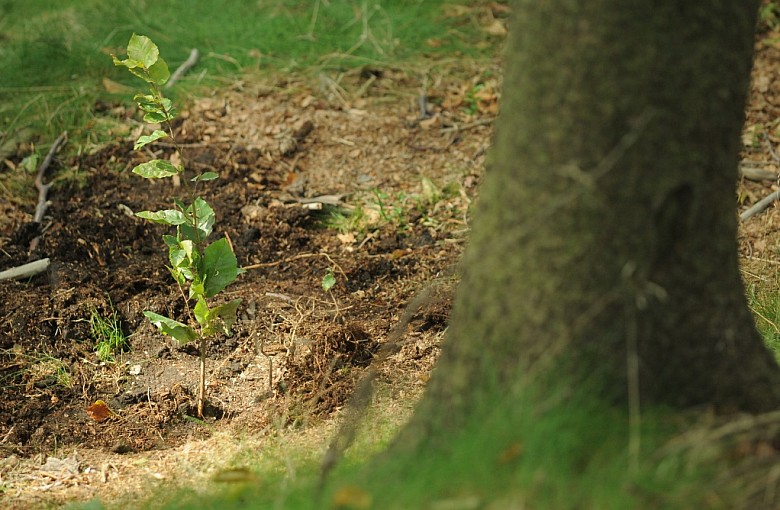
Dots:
{"x": 43, "y": 188}
{"x": 183, "y": 68}
{"x": 769, "y": 199}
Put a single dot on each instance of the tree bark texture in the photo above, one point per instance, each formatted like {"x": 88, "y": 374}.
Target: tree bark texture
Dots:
{"x": 605, "y": 232}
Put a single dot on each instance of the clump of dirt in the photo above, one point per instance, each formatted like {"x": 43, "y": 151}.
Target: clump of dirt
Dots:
{"x": 325, "y": 376}
{"x": 350, "y": 178}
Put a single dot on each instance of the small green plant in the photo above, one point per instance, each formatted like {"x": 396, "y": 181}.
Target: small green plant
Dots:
{"x": 765, "y": 305}
{"x": 203, "y": 269}
{"x": 107, "y": 334}
{"x": 390, "y": 208}
{"x": 329, "y": 280}
{"x": 344, "y": 220}
{"x": 46, "y": 370}
{"x": 472, "y": 99}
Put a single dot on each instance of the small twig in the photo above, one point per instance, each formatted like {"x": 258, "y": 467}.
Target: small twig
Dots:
{"x": 43, "y": 189}
{"x": 8, "y": 434}
{"x": 760, "y": 206}
{"x": 169, "y": 145}
{"x": 283, "y": 297}
{"x": 757, "y": 174}
{"x": 470, "y": 125}
{"x": 183, "y": 68}
{"x": 298, "y": 257}
{"x": 26, "y": 270}
{"x": 229, "y": 241}
{"x": 422, "y": 103}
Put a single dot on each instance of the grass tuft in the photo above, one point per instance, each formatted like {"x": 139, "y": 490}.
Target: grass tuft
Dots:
{"x": 107, "y": 333}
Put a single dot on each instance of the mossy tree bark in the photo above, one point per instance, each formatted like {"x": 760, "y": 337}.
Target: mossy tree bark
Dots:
{"x": 604, "y": 239}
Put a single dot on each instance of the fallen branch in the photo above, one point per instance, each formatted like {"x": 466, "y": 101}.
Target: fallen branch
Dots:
{"x": 26, "y": 270}
{"x": 760, "y": 206}
{"x": 757, "y": 174}
{"x": 183, "y": 68}
{"x": 43, "y": 189}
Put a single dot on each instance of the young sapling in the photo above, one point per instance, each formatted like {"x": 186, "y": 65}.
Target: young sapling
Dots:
{"x": 202, "y": 269}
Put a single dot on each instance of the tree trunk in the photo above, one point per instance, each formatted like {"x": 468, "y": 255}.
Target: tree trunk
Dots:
{"x": 604, "y": 242}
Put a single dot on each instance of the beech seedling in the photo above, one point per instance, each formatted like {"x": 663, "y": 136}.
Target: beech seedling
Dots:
{"x": 201, "y": 269}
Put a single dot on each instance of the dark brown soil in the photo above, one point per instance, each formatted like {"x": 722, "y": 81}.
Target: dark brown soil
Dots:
{"x": 297, "y": 349}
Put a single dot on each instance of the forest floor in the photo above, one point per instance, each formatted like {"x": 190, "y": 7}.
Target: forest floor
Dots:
{"x": 331, "y": 174}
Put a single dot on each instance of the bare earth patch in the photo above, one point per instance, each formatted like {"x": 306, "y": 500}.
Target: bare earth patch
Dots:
{"x": 344, "y": 176}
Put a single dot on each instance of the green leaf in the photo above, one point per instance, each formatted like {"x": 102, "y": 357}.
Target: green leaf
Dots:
{"x": 218, "y": 319}
{"x": 176, "y": 329}
{"x": 222, "y": 318}
{"x": 158, "y": 72}
{"x": 30, "y": 163}
{"x": 204, "y": 221}
{"x": 139, "y": 71}
{"x": 147, "y": 102}
{"x": 328, "y": 281}
{"x": 220, "y": 267}
{"x": 147, "y": 139}
{"x": 170, "y": 241}
{"x": 167, "y": 105}
{"x": 196, "y": 288}
{"x": 142, "y": 49}
{"x": 201, "y": 312}
{"x": 125, "y": 63}
{"x": 156, "y": 117}
{"x": 181, "y": 256}
{"x": 205, "y": 176}
{"x": 178, "y": 275}
{"x": 155, "y": 169}
{"x": 166, "y": 217}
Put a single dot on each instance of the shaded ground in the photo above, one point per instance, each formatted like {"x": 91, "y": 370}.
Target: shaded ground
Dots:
{"x": 401, "y": 182}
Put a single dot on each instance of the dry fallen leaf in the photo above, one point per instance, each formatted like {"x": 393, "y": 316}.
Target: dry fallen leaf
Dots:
{"x": 99, "y": 411}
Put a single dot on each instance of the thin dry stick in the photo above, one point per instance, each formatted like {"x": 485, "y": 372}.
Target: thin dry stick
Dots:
{"x": 470, "y": 125}
{"x": 760, "y": 206}
{"x": 25, "y": 270}
{"x": 764, "y": 202}
{"x": 43, "y": 189}
{"x": 298, "y": 257}
{"x": 183, "y": 68}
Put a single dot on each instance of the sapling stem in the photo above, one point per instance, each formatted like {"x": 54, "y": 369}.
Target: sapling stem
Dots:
{"x": 202, "y": 377}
